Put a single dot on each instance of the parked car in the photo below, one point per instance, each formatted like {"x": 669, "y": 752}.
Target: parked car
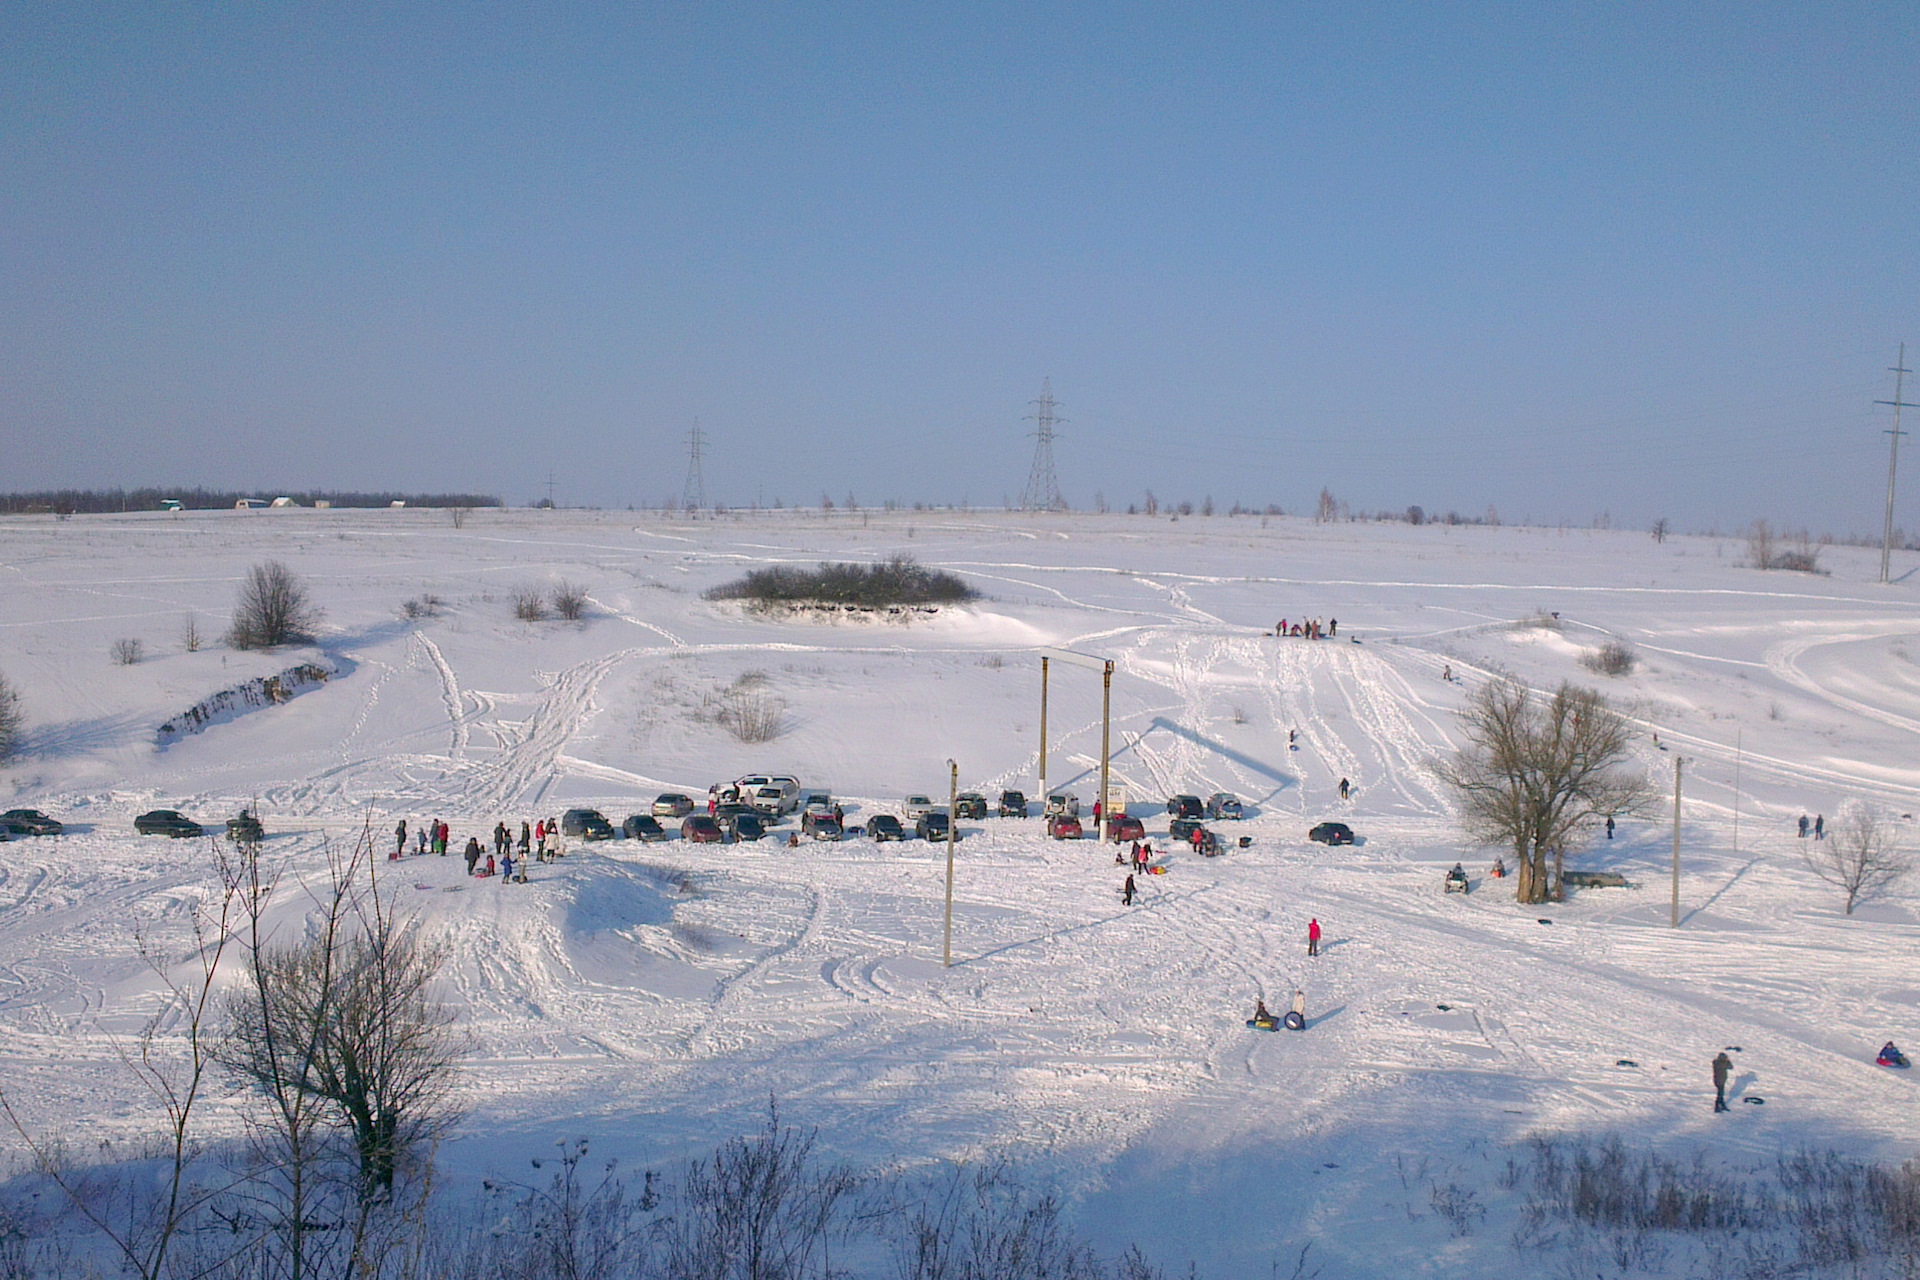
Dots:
{"x": 1331, "y": 833}
{"x": 744, "y": 826}
{"x": 1182, "y": 829}
{"x": 725, "y": 813}
{"x": 167, "y": 822}
{"x": 701, "y": 829}
{"x": 1186, "y": 807}
{"x": 245, "y": 829}
{"x": 914, "y": 807}
{"x": 29, "y": 822}
{"x": 1064, "y": 826}
{"x": 643, "y": 826}
{"x": 932, "y": 825}
{"x": 586, "y": 824}
{"x": 1224, "y": 805}
{"x": 1063, "y": 802}
{"x": 817, "y": 802}
{"x": 820, "y": 825}
{"x": 1123, "y": 827}
{"x": 1013, "y": 804}
{"x": 672, "y": 804}
{"x": 884, "y": 826}
{"x": 789, "y": 789}
{"x": 969, "y": 804}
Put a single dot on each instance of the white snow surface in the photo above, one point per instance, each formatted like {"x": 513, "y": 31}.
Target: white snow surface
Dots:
{"x": 655, "y": 997}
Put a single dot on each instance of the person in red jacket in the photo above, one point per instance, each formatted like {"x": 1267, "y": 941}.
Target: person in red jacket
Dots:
{"x": 1313, "y": 937}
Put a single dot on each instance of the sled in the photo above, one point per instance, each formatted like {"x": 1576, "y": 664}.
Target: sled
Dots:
{"x": 1156, "y": 871}
{"x": 1263, "y": 1024}
{"x": 1293, "y": 1021}
{"x": 1897, "y": 1061}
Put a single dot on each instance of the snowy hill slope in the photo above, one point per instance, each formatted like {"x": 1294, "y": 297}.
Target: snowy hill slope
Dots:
{"x": 656, "y": 996}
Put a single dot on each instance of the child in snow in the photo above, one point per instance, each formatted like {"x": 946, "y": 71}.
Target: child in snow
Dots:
{"x": 506, "y": 868}
{"x": 490, "y": 868}
{"x": 1890, "y": 1056}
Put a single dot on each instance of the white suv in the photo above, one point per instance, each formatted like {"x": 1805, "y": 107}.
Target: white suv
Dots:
{"x": 786, "y": 792}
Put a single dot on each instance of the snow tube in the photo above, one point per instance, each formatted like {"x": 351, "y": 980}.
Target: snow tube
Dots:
{"x": 1261, "y": 1024}
{"x": 1898, "y": 1060}
{"x": 1294, "y": 1022}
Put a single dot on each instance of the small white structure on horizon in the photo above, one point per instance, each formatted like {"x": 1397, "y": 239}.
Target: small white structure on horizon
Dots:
{"x": 283, "y": 502}
{"x": 397, "y": 503}
{"x": 248, "y": 504}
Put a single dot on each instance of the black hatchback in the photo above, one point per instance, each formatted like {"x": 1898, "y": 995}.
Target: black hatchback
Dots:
{"x": 884, "y": 826}
{"x": 1331, "y": 833}
{"x": 932, "y": 826}
{"x": 1013, "y": 804}
{"x": 167, "y": 822}
{"x": 643, "y": 826}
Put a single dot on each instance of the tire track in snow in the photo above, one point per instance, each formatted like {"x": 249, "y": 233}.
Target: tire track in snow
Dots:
{"x": 449, "y": 693}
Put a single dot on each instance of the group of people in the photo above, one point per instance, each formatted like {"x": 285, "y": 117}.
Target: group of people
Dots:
{"x": 1818, "y": 827}
{"x": 539, "y": 841}
{"x": 1307, "y": 629}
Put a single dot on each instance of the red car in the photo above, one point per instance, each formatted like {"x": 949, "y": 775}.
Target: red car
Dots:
{"x": 1124, "y": 827}
{"x": 701, "y": 829}
{"x": 1064, "y": 826}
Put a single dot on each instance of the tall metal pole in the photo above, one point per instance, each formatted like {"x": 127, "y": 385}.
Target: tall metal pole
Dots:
{"x": 1043, "y": 729}
{"x": 1899, "y": 371}
{"x": 1736, "y": 791}
{"x": 953, "y": 798}
{"x": 1106, "y": 752}
{"x": 1677, "y": 762}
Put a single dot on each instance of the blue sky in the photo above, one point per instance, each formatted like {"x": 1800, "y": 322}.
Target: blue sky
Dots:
{"x": 1562, "y": 259}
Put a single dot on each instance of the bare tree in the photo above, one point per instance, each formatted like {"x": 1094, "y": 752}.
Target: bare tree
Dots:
{"x": 1327, "y": 508}
{"x": 1536, "y": 771}
{"x": 346, "y": 1017}
{"x": 1760, "y": 545}
{"x": 273, "y": 609}
{"x": 1659, "y": 529}
{"x": 13, "y": 721}
{"x": 190, "y": 638}
{"x": 529, "y": 605}
{"x": 127, "y": 652}
{"x": 1861, "y": 855}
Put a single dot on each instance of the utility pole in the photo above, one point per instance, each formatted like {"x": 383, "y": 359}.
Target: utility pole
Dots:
{"x": 695, "y": 496}
{"x": 1043, "y": 730}
{"x": 1677, "y": 762}
{"x": 1106, "y": 752}
{"x": 549, "y": 488}
{"x": 953, "y": 802}
{"x": 1899, "y": 372}
{"x": 1043, "y": 489}
{"x": 1736, "y": 791}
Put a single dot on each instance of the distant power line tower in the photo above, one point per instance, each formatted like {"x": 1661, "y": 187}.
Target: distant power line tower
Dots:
{"x": 1899, "y": 372}
{"x": 1043, "y": 488}
{"x": 695, "y": 496}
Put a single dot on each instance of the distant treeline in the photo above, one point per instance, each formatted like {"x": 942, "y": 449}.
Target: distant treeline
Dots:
{"x": 89, "y": 501}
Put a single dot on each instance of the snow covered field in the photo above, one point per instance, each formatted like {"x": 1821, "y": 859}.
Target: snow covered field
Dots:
{"x": 655, "y": 997}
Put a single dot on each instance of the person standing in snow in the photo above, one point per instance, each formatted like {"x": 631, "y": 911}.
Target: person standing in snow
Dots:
{"x": 1609, "y": 826}
{"x": 1820, "y": 826}
{"x": 1722, "y": 1066}
{"x": 1313, "y": 936}
{"x": 1803, "y": 826}
{"x": 1126, "y": 894}
{"x": 1346, "y": 788}
{"x": 400, "y": 838}
{"x": 1333, "y": 626}
{"x": 473, "y": 853}
{"x": 506, "y": 868}
{"x": 526, "y": 837}
{"x": 446, "y": 838}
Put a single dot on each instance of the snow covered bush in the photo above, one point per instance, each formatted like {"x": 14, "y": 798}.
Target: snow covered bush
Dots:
{"x": 273, "y": 609}
{"x": 569, "y": 600}
{"x": 1614, "y": 658}
{"x": 901, "y": 580}
{"x": 13, "y": 721}
{"x": 529, "y": 603}
{"x": 126, "y": 652}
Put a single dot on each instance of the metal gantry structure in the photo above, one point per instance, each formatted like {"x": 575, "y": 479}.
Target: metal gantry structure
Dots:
{"x": 1043, "y": 486}
{"x": 695, "y": 496}
{"x": 1899, "y": 372}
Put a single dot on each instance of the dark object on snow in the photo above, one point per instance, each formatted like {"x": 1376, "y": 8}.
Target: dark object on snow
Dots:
{"x": 1246, "y": 842}
{"x": 167, "y": 822}
{"x": 1331, "y": 833}
{"x": 245, "y": 829}
{"x": 1293, "y": 1021}
{"x": 1890, "y": 1056}
{"x": 1544, "y": 920}
{"x": 1457, "y": 879}
{"x": 1758, "y": 1102}
{"x": 1626, "y": 1062}
{"x": 1594, "y": 880}
{"x": 1722, "y": 1068}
